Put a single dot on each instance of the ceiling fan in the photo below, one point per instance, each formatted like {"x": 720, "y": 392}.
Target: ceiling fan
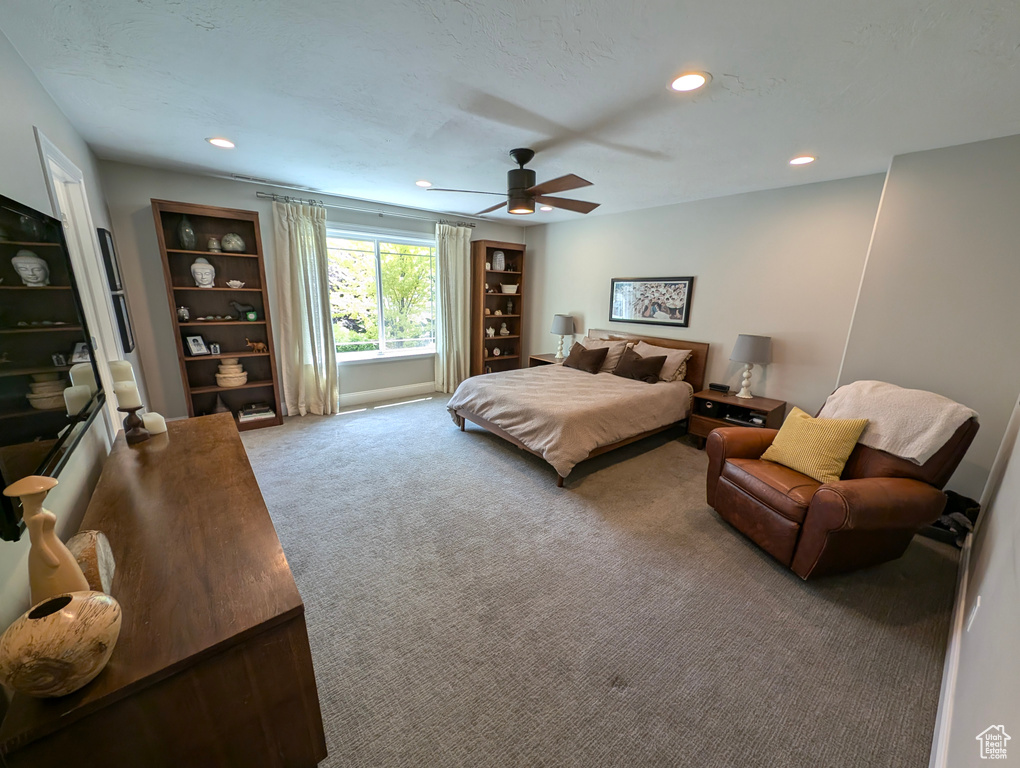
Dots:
{"x": 522, "y": 191}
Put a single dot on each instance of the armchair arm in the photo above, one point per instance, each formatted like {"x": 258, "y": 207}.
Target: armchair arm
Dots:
{"x": 852, "y": 523}
{"x": 733, "y": 443}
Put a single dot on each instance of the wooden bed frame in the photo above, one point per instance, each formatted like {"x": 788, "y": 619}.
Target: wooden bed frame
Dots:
{"x": 695, "y": 377}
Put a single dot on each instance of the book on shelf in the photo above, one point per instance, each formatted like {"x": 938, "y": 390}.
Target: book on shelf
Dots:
{"x": 246, "y": 417}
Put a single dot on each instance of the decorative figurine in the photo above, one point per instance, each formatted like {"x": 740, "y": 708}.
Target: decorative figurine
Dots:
{"x": 495, "y": 351}
{"x": 235, "y": 283}
{"x": 256, "y": 346}
{"x": 186, "y": 234}
{"x": 213, "y": 246}
{"x": 183, "y": 314}
{"x": 488, "y": 265}
{"x": 203, "y": 273}
{"x": 232, "y": 243}
{"x": 490, "y": 332}
{"x": 503, "y": 330}
{"x": 498, "y": 313}
{"x": 52, "y": 569}
{"x": 31, "y": 268}
{"x": 509, "y": 306}
{"x": 488, "y": 311}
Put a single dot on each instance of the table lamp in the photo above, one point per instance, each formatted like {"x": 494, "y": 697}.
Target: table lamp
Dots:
{"x": 750, "y": 350}
{"x": 562, "y": 325}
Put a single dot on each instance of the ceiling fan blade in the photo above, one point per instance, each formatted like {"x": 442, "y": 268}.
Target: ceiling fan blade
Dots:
{"x": 493, "y": 208}
{"x": 578, "y": 206}
{"x": 561, "y": 184}
{"x": 469, "y": 191}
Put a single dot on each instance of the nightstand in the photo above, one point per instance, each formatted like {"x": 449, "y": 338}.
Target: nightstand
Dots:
{"x": 534, "y": 360}
{"x": 715, "y": 409}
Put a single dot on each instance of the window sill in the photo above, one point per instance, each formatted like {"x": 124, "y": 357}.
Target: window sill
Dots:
{"x": 358, "y": 358}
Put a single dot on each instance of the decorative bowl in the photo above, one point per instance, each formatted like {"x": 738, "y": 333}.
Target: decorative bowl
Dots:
{"x": 508, "y": 288}
{"x": 232, "y": 379}
{"x": 229, "y": 369}
{"x": 235, "y": 283}
{"x": 232, "y": 242}
{"x": 47, "y": 401}
{"x": 46, "y": 387}
{"x": 45, "y": 376}
{"x": 230, "y": 360}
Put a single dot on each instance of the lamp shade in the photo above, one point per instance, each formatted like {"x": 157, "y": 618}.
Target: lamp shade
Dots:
{"x": 563, "y": 325}
{"x": 752, "y": 349}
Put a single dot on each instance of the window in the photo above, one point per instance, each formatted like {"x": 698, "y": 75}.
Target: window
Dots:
{"x": 382, "y": 294}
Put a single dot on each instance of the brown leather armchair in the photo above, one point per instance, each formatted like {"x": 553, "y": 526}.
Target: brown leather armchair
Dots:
{"x": 867, "y": 517}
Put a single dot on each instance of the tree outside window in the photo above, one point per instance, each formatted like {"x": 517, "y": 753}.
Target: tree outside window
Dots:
{"x": 382, "y": 293}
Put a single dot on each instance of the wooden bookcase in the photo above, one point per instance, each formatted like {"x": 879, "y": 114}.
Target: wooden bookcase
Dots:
{"x": 198, "y": 373}
{"x": 482, "y": 347}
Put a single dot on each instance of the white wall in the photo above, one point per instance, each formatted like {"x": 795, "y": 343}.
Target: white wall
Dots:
{"x": 986, "y": 683}
{"x": 130, "y": 188}
{"x": 26, "y": 104}
{"x": 785, "y": 263}
{"x": 937, "y": 309}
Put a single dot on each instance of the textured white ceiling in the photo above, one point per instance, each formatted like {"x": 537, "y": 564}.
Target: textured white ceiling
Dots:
{"x": 363, "y": 98}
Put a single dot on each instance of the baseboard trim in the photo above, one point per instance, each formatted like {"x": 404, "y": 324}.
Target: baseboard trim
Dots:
{"x": 387, "y": 393}
{"x": 944, "y": 715}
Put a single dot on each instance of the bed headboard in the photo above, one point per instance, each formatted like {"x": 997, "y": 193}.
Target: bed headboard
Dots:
{"x": 695, "y": 363}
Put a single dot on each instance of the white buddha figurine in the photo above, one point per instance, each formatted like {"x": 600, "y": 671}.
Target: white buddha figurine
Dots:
{"x": 203, "y": 273}
{"x": 31, "y": 268}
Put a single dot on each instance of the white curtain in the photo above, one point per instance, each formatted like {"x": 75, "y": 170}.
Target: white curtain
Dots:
{"x": 453, "y": 304}
{"x": 308, "y": 359}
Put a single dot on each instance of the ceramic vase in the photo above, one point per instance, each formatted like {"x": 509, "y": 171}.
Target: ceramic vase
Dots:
{"x": 233, "y": 243}
{"x": 52, "y": 568}
{"x": 186, "y": 234}
{"x": 60, "y": 644}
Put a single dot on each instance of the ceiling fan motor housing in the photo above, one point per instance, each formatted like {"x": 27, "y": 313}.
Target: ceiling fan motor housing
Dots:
{"x": 518, "y": 180}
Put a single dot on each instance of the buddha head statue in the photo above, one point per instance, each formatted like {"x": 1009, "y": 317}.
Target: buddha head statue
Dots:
{"x": 203, "y": 273}
{"x": 31, "y": 268}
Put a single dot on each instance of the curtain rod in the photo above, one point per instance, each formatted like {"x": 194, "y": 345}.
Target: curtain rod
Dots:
{"x": 290, "y": 199}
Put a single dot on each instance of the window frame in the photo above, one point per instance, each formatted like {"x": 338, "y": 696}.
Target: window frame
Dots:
{"x": 377, "y": 236}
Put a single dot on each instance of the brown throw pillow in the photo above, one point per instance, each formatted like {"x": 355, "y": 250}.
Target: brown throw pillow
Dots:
{"x": 588, "y": 360}
{"x": 633, "y": 366}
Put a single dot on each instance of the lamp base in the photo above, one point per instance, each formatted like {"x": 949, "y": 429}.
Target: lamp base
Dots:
{"x": 745, "y": 389}
{"x": 559, "y": 350}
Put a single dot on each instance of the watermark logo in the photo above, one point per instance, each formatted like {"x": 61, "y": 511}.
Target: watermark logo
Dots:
{"x": 993, "y": 742}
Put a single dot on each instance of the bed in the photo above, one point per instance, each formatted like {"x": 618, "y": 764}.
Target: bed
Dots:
{"x": 566, "y": 416}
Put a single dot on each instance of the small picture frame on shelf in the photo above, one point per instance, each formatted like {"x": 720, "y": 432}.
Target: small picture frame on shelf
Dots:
{"x": 81, "y": 353}
{"x": 214, "y": 348}
{"x": 196, "y": 345}
{"x": 59, "y": 360}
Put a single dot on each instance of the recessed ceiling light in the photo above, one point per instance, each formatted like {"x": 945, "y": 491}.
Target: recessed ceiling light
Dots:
{"x": 225, "y": 143}
{"x": 423, "y": 183}
{"x": 690, "y": 81}
{"x": 802, "y": 160}
{"x": 546, "y": 208}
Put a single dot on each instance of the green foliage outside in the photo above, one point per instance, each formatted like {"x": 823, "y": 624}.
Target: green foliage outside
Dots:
{"x": 407, "y": 295}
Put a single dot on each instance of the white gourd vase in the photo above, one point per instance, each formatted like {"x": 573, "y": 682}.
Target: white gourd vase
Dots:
{"x": 61, "y": 644}
{"x": 52, "y": 569}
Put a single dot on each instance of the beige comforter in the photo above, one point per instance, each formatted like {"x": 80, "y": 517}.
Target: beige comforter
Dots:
{"x": 563, "y": 414}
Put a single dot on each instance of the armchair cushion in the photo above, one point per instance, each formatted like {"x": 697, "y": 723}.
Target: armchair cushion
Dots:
{"x": 817, "y": 448}
{"x": 780, "y": 488}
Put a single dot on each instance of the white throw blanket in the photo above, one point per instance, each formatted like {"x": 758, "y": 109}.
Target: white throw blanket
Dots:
{"x": 909, "y": 423}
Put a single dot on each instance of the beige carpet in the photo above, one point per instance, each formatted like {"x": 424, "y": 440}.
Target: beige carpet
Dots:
{"x": 463, "y": 611}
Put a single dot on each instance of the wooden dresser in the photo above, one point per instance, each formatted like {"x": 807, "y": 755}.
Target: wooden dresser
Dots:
{"x": 212, "y": 667}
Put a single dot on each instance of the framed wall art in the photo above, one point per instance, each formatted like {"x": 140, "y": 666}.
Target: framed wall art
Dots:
{"x": 652, "y": 300}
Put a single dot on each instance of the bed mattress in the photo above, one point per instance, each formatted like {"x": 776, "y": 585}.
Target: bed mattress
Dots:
{"x": 563, "y": 414}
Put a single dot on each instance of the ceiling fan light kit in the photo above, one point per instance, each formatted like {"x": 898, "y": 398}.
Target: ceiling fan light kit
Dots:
{"x": 522, "y": 191}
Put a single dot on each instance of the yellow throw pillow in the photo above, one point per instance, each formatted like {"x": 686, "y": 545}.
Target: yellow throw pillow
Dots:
{"x": 817, "y": 448}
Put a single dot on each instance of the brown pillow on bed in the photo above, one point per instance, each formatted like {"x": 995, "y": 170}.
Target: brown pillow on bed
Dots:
{"x": 633, "y": 366}
{"x": 588, "y": 360}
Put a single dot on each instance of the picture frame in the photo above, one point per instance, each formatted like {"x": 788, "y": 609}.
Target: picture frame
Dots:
{"x": 110, "y": 260}
{"x": 127, "y": 334}
{"x": 59, "y": 361}
{"x": 651, "y": 300}
{"x": 196, "y": 345}
{"x": 82, "y": 353}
